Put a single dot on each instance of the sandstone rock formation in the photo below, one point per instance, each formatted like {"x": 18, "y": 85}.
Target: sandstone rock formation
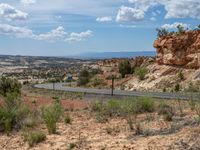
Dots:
{"x": 179, "y": 49}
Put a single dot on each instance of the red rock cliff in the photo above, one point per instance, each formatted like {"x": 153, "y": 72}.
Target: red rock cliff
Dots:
{"x": 179, "y": 50}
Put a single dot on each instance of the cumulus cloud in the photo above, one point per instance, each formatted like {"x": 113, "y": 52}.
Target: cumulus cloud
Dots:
{"x": 128, "y": 14}
{"x": 28, "y": 2}
{"x": 15, "y": 31}
{"x": 8, "y": 12}
{"x": 82, "y": 36}
{"x": 175, "y": 25}
{"x": 104, "y": 19}
{"x": 174, "y": 8}
{"x": 182, "y": 9}
{"x": 52, "y": 36}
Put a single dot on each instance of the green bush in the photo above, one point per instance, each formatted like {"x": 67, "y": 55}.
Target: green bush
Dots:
{"x": 8, "y": 85}
{"x": 177, "y": 87}
{"x": 125, "y": 68}
{"x": 141, "y": 72}
{"x": 145, "y": 104}
{"x": 34, "y": 137}
{"x": 181, "y": 29}
{"x": 162, "y": 32}
{"x": 12, "y": 114}
{"x": 113, "y": 108}
{"x": 83, "y": 78}
{"x": 51, "y": 115}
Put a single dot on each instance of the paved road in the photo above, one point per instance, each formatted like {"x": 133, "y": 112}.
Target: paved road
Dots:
{"x": 64, "y": 87}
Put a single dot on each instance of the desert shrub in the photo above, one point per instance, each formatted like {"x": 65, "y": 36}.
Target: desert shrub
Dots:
{"x": 125, "y": 68}
{"x": 177, "y": 87}
{"x": 162, "y": 32}
{"x": 193, "y": 88}
{"x": 197, "y": 109}
{"x": 51, "y": 115}
{"x": 198, "y": 27}
{"x": 141, "y": 72}
{"x": 166, "y": 110}
{"x": 96, "y": 106}
{"x": 8, "y": 85}
{"x": 71, "y": 146}
{"x": 101, "y": 116}
{"x": 96, "y": 81}
{"x": 192, "y": 102}
{"x": 180, "y": 75}
{"x": 113, "y": 108}
{"x": 181, "y": 29}
{"x": 83, "y": 78}
{"x": 34, "y": 137}
{"x": 145, "y": 104}
{"x": 68, "y": 119}
{"x": 12, "y": 114}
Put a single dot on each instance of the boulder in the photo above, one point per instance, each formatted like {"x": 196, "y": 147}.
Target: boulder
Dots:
{"x": 179, "y": 50}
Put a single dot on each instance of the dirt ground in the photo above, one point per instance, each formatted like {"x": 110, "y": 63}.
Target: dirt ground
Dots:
{"x": 87, "y": 134}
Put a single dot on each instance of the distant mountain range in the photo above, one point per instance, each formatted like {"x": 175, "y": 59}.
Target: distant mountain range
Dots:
{"x": 108, "y": 55}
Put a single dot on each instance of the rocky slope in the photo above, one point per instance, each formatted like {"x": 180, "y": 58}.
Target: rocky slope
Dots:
{"x": 177, "y": 62}
{"x": 179, "y": 49}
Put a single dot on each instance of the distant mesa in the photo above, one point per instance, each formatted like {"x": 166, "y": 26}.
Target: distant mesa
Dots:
{"x": 110, "y": 55}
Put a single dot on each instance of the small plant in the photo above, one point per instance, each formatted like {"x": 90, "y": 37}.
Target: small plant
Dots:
{"x": 177, "y": 87}
{"x": 68, "y": 119}
{"x": 197, "y": 109}
{"x": 181, "y": 29}
{"x": 191, "y": 102}
{"x": 164, "y": 90}
{"x": 162, "y": 32}
{"x": 96, "y": 106}
{"x": 141, "y": 72}
{"x": 51, "y": 115}
{"x": 166, "y": 110}
{"x": 145, "y": 104}
{"x": 12, "y": 113}
{"x": 125, "y": 68}
{"x": 83, "y": 78}
{"x": 113, "y": 108}
{"x": 72, "y": 146}
{"x": 33, "y": 138}
{"x": 180, "y": 75}
{"x": 8, "y": 86}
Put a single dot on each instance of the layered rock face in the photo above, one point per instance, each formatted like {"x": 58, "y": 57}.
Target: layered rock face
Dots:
{"x": 179, "y": 50}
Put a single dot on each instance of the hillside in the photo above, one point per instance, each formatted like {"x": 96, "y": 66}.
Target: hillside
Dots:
{"x": 177, "y": 63}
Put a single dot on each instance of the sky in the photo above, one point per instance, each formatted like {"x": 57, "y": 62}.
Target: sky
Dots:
{"x": 70, "y": 27}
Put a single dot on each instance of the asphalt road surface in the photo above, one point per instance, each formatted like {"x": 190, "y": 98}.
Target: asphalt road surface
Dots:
{"x": 162, "y": 95}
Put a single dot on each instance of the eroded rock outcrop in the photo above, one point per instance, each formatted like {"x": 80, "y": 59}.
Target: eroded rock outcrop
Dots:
{"x": 179, "y": 50}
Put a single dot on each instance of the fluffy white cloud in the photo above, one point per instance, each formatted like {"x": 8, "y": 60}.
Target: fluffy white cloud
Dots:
{"x": 104, "y": 19}
{"x": 128, "y": 14}
{"x": 52, "y": 36}
{"x": 28, "y": 2}
{"x": 10, "y": 13}
{"x": 182, "y": 9}
{"x": 73, "y": 37}
{"x": 175, "y": 25}
{"x": 174, "y": 8}
{"x": 15, "y": 31}
{"x": 144, "y": 4}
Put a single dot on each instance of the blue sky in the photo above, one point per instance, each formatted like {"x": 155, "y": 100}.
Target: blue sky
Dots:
{"x": 68, "y": 27}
